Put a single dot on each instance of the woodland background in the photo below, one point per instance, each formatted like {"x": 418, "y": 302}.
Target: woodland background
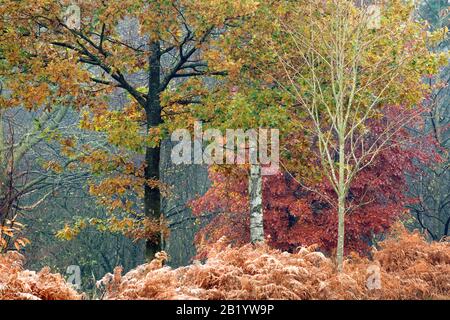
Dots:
{"x": 85, "y": 119}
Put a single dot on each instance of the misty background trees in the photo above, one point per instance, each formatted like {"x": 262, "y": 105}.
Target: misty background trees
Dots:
{"x": 48, "y": 160}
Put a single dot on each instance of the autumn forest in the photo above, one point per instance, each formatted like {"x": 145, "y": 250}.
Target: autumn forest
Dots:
{"x": 224, "y": 150}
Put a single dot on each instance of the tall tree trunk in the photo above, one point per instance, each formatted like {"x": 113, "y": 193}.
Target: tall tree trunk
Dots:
{"x": 256, "y": 210}
{"x": 152, "y": 195}
{"x": 341, "y": 232}
{"x": 341, "y": 206}
{"x": 3, "y": 150}
{"x": 3, "y": 174}
{"x": 2, "y": 141}
{"x": 446, "y": 227}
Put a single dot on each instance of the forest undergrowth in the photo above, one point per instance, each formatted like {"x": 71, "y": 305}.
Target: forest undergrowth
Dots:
{"x": 405, "y": 266}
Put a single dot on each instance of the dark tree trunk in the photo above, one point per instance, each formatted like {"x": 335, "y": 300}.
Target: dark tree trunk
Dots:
{"x": 152, "y": 197}
{"x": 446, "y": 227}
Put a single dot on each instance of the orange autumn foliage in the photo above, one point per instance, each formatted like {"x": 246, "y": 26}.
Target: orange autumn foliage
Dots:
{"x": 19, "y": 284}
{"x": 409, "y": 267}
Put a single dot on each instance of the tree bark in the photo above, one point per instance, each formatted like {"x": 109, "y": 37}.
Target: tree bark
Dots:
{"x": 3, "y": 150}
{"x": 446, "y": 227}
{"x": 256, "y": 210}
{"x": 152, "y": 195}
{"x": 341, "y": 206}
{"x": 341, "y": 233}
{"x": 2, "y": 142}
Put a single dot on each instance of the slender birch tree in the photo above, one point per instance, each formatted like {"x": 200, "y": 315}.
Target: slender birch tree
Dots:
{"x": 345, "y": 71}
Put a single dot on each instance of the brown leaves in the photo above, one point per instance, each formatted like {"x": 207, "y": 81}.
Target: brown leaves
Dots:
{"x": 10, "y": 233}
{"x": 16, "y": 283}
{"x": 409, "y": 267}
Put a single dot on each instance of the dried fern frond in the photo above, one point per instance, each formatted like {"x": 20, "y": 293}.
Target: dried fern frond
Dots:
{"x": 409, "y": 268}
{"x": 19, "y": 284}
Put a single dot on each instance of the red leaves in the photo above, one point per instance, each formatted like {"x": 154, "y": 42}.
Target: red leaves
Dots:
{"x": 294, "y": 216}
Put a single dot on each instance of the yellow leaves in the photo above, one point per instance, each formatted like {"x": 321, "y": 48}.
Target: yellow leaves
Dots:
{"x": 113, "y": 191}
{"x": 160, "y": 20}
{"x": 70, "y": 232}
{"x": 135, "y": 228}
{"x": 53, "y": 166}
{"x": 121, "y": 225}
{"x": 67, "y": 233}
{"x": 214, "y": 56}
{"x": 21, "y": 243}
{"x": 216, "y": 12}
{"x": 149, "y": 229}
{"x": 123, "y": 128}
{"x": 442, "y": 58}
{"x": 31, "y": 96}
{"x": 102, "y": 161}
{"x": 154, "y": 137}
{"x": 7, "y": 231}
{"x": 85, "y": 121}
{"x": 98, "y": 160}
{"x": 10, "y": 235}
{"x": 437, "y": 36}
{"x": 68, "y": 147}
{"x": 121, "y": 179}
{"x": 37, "y": 94}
